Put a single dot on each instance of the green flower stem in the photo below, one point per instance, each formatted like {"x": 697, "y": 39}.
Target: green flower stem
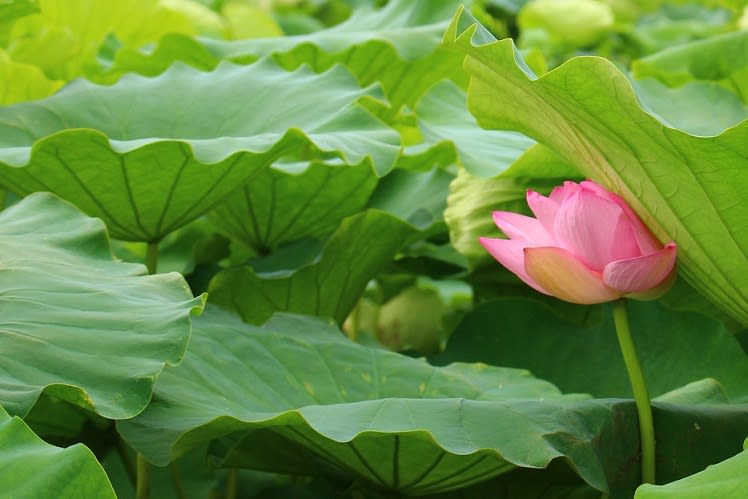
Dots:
{"x": 151, "y": 257}
{"x": 639, "y": 387}
{"x": 143, "y": 480}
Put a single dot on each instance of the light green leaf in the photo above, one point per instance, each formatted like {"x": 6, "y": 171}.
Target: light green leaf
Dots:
{"x": 287, "y": 203}
{"x": 74, "y": 322}
{"x": 726, "y": 480}
{"x": 328, "y": 286}
{"x": 153, "y": 154}
{"x": 63, "y": 39}
{"x": 443, "y": 121}
{"x": 22, "y": 82}
{"x": 31, "y": 468}
{"x": 299, "y": 397}
{"x": 688, "y": 189}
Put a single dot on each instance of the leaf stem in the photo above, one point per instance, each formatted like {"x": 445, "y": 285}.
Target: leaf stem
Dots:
{"x": 143, "y": 481}
{"x": 151, "y": 257}
{"x": 639, "y": 387}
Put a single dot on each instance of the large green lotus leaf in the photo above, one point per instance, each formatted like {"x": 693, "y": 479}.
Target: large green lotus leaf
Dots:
{"x": 31, "y": 468}
{"x": 149, "y": 155}
{"x": 329, "y": 285}
{"x": 397, "y": 45}
{"x": 444, "y": 122}
{"x": 726, "y": 480}
{"x": 289, "y": 203}
{"x": 722, "y": 59}
{"x": 308, "y": 400}
{"x": 724, "y": 108}
{"x": 675, "y": 348}
{"x": 472, "y": 198}
{"x": 76, "y": 323}
{"x": 22, "y": 82}
{"x": 688, "y": 189}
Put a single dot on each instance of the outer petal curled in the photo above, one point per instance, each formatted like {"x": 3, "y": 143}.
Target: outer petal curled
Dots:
{"x": 564, "y": 276}
{"x": 522, "y": 228}
{"x": 636, "y": 275}
{"x": 511, "y": 255}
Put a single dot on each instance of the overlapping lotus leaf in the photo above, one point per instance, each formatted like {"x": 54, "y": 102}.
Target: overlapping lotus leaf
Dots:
{"x": 397, "y": 45}
{"x": 329, "y": 285}
{"x": 293, "y": 202}
{"x": 148, "y": 155}
{"x": 76, "y": 323}
{"x": 308, "y": 399}
{"x": 29, "y": 467}
{"x": 689, "y": 189}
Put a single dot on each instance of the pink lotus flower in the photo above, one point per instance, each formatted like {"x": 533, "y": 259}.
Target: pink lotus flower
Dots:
{"x": 586, "y": 245}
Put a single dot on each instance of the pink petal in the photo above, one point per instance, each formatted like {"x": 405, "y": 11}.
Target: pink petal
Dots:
{"x": 636, "y": 275}
{"x": 594, "y": 229}
{"x": 521, "y": 227}
{"x": 647, "y": 242}
{"x": 511, "y": 255}
{"x": 562, "y": 275}
{"x": 544, "y": 209}
{"x": 561, "y": 193}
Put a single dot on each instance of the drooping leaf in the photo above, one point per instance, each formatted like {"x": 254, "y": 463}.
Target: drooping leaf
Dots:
{"x": 74, "y": 322}
{"x": 587, "y": 112}
{"x": 154, "y": 154}
{"x": 674, "y": 348}
{"x": 302, "y": 398}
{"x": 444, "y": 122}
{"x": 287, "y": 204}
{"x": 29, "y": 467}
{"x": 726, "y": 480}
{"x": 327, "y": 286}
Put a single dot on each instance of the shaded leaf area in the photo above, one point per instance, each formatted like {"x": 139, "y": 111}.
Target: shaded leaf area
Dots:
{"x": 291, "y": 202}
{"x": 29, "y": 467}
{"x": 155, "y": 153}
{"x": 327, "y": 284}
{"x": 675, "y": 348}
{"x": 726, "y": 480}
{"x": 397, "y": 45}
{"x": 688, "y": 189}
{"x": 472, "y": 198}
{"x": 450, "y": 134}
{"x": 721, "y": 59}
{"x": 299, "y": 397}
{"x": 394, "y": 195}
{"x": 74, "y": 322}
